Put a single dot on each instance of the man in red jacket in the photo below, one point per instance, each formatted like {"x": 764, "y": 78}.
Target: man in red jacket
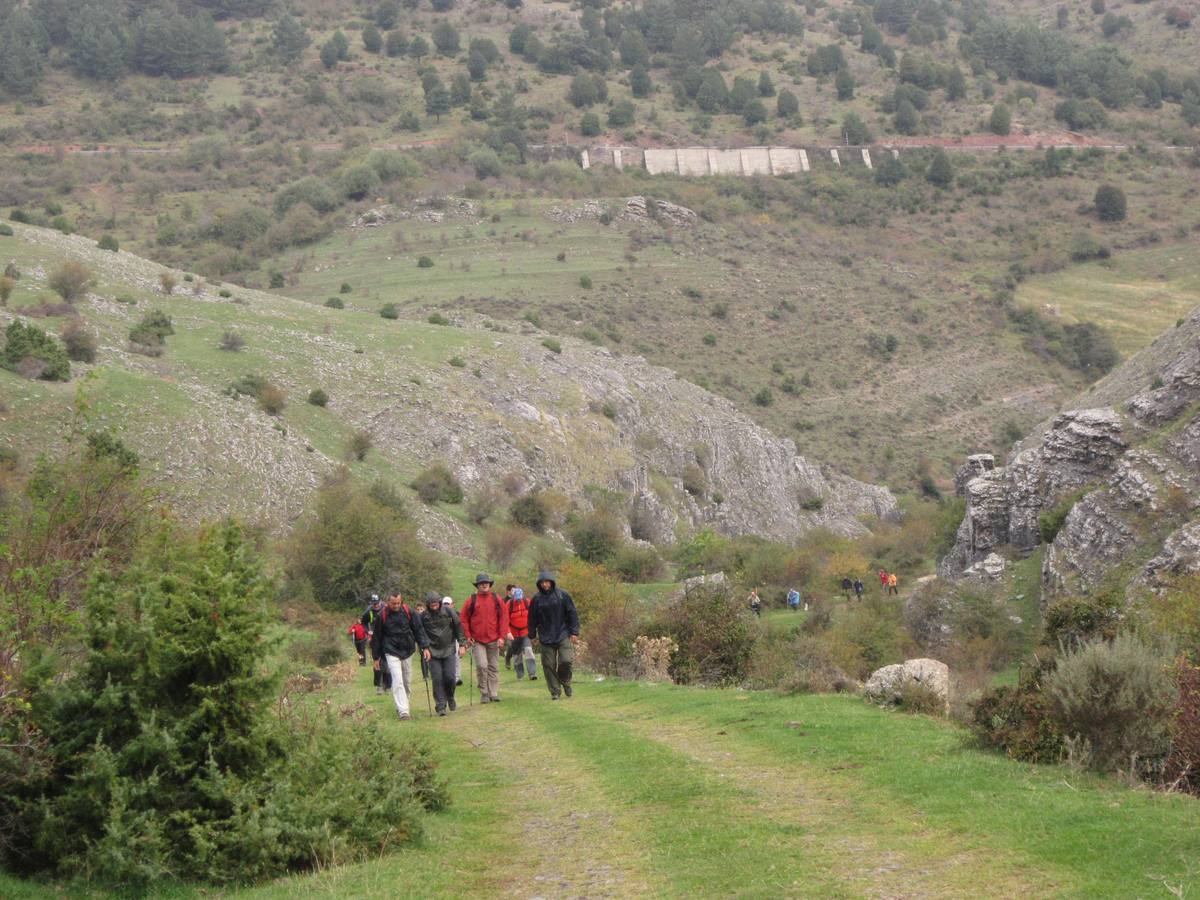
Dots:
{"x": 485, "y": 624}
{"x": 518, "y": 626}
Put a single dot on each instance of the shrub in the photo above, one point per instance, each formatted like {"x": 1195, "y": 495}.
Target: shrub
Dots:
{"x": 503, "y": 543}
{"x": 870, "y": 635}
{"x": 231, "y": 341}
{"x": 272, "y": 399}
{"x": 80, "y": 343}
{"x": 637, "y": 564}
{"x": 458, "y": 362}
{"x": 424, "y": 262}
{"x": 1183, "y": 763}
{"x": 1110, "y": 203}
{"x": 389, "y": 311}
{"x": 552, "y": 345}
{"x": 335, "y": 303}
{"x": 596, "y": 537}
{"x": 714, "y": 633}
{"x": 1001, "y": 120}
{"x": 5, "y": 230}
{"x": 152, "y": 330}
{"x": 486, "y": 164}
{"x": 530, "y": 512}
{"x": 247, "y": 386}
{"x": 71, "y": 280}
{"x": 589, "y": 124}
{"x": 1070, "y": 622}
{"x": 108, "y": 242}
{"x": 1117, "y": 698}
{"x": 32, "y": 353}
{"x": 167, "y": 282}
{"x": 7, "y": 286}
{"x": 359, "y": 444}
{"x": 318, "y": 397}
{"x": 438, "y": 484}
{"x": 1019, "y": 721}
{"x": 763, "y": 397}
{"x": 346, "y": 288}
{"x": 437, "y": 319}
{"x": 585, "y": 282}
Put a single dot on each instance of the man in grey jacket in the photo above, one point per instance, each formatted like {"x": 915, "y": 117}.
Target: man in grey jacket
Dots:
{"x": 446, "y": 643}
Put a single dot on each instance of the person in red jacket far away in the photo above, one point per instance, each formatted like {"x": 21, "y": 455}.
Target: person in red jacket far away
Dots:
{"x": 485, "y": 624}
{"x": 358, "y": 634}
{"x": 883, "y": 579}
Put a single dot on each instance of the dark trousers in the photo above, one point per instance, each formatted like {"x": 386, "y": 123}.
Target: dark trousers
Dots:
{"x": 556, "y": 665}
{"x": 441, "y": 671}
{"x": 361, "y": 648}
{"x": 383, "y": 678}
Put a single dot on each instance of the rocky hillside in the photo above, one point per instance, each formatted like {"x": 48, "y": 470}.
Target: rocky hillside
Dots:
{"x": 493, "y": 404}
{"x": 1112, "y": 486}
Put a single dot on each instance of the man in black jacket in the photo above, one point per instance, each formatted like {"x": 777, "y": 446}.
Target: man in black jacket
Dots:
{"x": 446, "y": 641}
{"x": 554, "y": 623}
{"x": 397, "y": 635}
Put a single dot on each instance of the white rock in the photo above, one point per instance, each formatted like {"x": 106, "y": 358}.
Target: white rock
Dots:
{"x": 885, "y": 685}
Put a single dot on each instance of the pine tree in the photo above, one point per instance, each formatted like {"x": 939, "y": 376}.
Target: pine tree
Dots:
{"x": 290, "y": 39}
{"x": 940, "y": 172}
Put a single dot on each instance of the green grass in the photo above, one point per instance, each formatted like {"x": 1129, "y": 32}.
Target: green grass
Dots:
{"x": 1136, "y": 294}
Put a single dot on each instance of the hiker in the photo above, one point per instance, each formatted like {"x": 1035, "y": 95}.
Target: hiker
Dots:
{"x": 508, "y": 596}
{"x": 755, "y": 603}
{"x": 554, "y": 624}
{"x": 398, "y": 634}
{"x": 358, "y": 634}
{"x": 858, "y": 588}
{"x": 883, "y": 579}
{"x": 448, "y": 603}
{"x": 446, "y": 643}
{"x": 485, "y": 624}
{"x": 793, "y": 600}
{"x": 381, "y": 676}
{"x": 892, "y": 582}
{"x": 520, "y": 645}
{"x": 846, "y": 586}
{"x": 419, "y": 609}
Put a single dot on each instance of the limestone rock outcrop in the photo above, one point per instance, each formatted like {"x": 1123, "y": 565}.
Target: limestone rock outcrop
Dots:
{"x": 886, "y": 685}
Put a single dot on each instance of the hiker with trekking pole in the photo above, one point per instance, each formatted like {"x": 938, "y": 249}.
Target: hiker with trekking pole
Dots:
{"x": 554, "y": 624}
{"x": 446, "y": 643}
{"x": 398, "y": 633}
{"x": 485, "y": 624}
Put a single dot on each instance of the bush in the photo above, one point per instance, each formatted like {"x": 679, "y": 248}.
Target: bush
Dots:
{"x": 80, "y": 343}
{"x": 346, "y": 288}
{"x": 359, "y": 444}
{"x": 109, "y": 243}
{"x": 389, "y": 311}
{"x": 585, "y": 282}
{"x": 1019, "y": 721}
{"x": 715, "y": 634}
{"x": 1115, "y": 697}
{"x": 271, "y": 399}
{"x": 596, "y": 537}
{"x": 1070, "y": 622}
{"x": 153, "y": 329}
{"x": 32, "y": 353}
{"x": 530, "y": 512}
{"x": 424, "y": 262}
{"x": 5, "y": 230}
{"x": 637, "y": 564}
{"x": 552, "y": 345}
{"x": 1001, "y": 120}
{"x": 231, "y": 341}
{"x": 1110, "y": 203}
{"x": 318, "y": 397}
{"x": 503, "y": 543}
{"x": 71, "y": 280}
{"x": 247, "y": 386}
{"x": 589, "y": 124}
{"x": 352, "y": 544}
{"x": 437, "y": 319}
{"x": 335, "y": 303}
{"x": 486, "y": 164}
{"x": 7, "y": 286}
{"x": 438, "y": 484}
{"x": 1183, "y": 763}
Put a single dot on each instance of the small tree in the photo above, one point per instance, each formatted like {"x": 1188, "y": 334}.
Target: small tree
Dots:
{"x": 844, "y": 83}
{"x": 80, "y": 342}
{"x": 153, "y": 329}
{"x": 32, "y": 353}
{"x": 940, "y": 172}
{"x": 7, "y": 286}
{"x": 530, "y": 512}
{"x": 360, "y": 444}
{"x": 437, "y": 483}
{"x": 596, "y": 537}
{"x": 446, "y": 39}
{"x": 71, "y": 280}
{"x": 1110, "y": 203}
{"x": 754, "y": 112}
{"x": 1001, "y": 119}
{"x": 787, "y": 106}
{"x": 639, "y": 81}
{"x": 272, "y": 399}
{"x": 167, "y": 282}
{"x": 372, "y": 39}
{"x": 589, "y": 124}
{"x": 486, "y": 163}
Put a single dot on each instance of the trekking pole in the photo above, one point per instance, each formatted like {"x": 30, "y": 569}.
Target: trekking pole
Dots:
{"x": 428, "y": 702}
{"x": 471, "y": 689}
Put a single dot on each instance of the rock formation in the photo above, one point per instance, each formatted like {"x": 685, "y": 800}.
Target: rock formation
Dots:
{"x": 887, "y": 685}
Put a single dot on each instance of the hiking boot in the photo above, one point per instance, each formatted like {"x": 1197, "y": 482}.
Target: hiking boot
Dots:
{"x": 453, "y": 706}
{"x": 495, "y": 699}
{"x": 532, "y": 677}
{"x": 458, "y": 682}
{"x": 441, "y": 712}
{"x": 485, "y": 700}
{"x": 554, "y": 696}
{"x": 404, "y": 717}
{"x": 378, "y": 690}
{"x": 567, "y": 689}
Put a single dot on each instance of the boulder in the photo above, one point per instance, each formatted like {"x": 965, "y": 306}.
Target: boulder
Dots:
{"x": 885, "y": 685}
{"x": 990, "y": 568}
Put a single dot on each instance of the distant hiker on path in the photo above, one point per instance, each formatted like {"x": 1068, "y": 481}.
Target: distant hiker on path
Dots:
{"x": 883, "y": 579}
{"x": 508, "y": 651}
{"x": 793, "y": 600}
{"x": 485, "y": 624}
{"x": 521, "y": 646}
{"x": 858, "y": 588}
{"x": 892, "y": 582}
{"x": 358, "y": 634}
{"x": 754, "y": 602}
{"x": 398, "y": 633}
{"x": 554, "y": 623}
{"x": 846, "y": 586}
{"x": 446, "y": 643}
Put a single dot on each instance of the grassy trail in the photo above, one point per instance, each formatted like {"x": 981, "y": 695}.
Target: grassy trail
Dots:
{"x": 651, "y": 790}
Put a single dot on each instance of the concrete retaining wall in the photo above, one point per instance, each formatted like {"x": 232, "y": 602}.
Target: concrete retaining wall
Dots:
{"x": 693, "y": 162}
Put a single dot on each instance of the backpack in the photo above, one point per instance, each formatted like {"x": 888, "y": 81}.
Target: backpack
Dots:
{"x": 469, "y": 609}
{"x": 408, "y": 612}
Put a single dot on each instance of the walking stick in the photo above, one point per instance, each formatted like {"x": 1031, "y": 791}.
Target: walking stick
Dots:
{"x": 428, "y": 702}
{"x": 471, "y": 689}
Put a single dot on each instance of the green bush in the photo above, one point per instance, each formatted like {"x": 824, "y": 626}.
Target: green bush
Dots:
{"x": 437, "y": 319}
{"x": 389, "y": 311}
{"x": 1110, "y": 203}
{"x": 32, "y": 353}
{"x": 552, "y": 345}
{"x": 585, "y": 282}
{"x": 318, "y": 397}
{"x": 153, "y": 329}
{"x": 108, "y": 242}
{"x": 596, "y": 537}
{"x": 424, "y": 262}
{"x": 335, "y": 303}
{"x": 5, "y": 230}
{"x": 360, "y": 444}
{"x": 80, "y": 343}
{"x": 1116, "y": 697}
{"x": 715, "y": 635}
{"x": 346, "y": 288}
{"x": 170, "y": 762}
{"x": 71, "y": 280}
{"x": 1019, "y": 721}
{"x": 486, "y": 164}
{"x": 1069, "y": 622}
{"x": 530, "y": 512}
{"x": 438, "y": 484}
{"x": 247, "y": 386}
{"x": 637, "y": 564}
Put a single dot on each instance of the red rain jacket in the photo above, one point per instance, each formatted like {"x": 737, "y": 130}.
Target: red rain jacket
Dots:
{"x": 484, "y": 618}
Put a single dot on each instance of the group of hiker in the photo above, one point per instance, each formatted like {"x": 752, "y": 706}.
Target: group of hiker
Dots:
{"x": 887, "y": 580}
{"x": 440, "y": 637}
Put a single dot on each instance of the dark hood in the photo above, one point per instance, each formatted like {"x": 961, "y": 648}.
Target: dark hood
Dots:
{"x": 546, "y": 576}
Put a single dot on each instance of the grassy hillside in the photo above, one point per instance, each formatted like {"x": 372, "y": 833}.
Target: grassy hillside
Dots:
{"x": 675, "y": 791}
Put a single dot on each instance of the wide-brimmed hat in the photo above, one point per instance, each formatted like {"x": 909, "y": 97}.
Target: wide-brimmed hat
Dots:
{"x": 483, "y": 578}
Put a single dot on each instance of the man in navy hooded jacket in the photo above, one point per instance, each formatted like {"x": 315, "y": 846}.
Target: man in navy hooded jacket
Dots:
{"x": 554, "y": 623}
